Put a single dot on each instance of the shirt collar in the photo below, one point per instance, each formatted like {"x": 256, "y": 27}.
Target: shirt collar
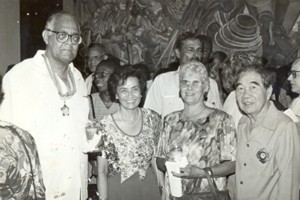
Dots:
{"x": 269, "y": 118}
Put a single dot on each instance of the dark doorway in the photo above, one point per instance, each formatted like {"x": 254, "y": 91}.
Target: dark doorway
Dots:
{"x": 33, "y": 16}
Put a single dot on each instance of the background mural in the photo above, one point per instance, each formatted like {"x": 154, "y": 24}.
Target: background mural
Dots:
{"x": 145, "y": 30}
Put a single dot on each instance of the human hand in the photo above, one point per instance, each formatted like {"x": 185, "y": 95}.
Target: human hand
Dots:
{"x": 190, "y": 171}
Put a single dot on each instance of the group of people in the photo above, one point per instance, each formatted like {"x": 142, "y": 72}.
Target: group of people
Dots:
{"x": 182, "y": 118}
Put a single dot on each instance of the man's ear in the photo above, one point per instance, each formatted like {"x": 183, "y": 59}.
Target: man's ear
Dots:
{"x": 45, "y": 36}
{"x": 269, "y": 92}
{"x": 177, "y": 53}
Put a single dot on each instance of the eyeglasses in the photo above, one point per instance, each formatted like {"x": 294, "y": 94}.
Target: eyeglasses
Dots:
{"x": 293, "y": 73}
{"x": 62, "y": 37}
{"x": 186, "y": 84}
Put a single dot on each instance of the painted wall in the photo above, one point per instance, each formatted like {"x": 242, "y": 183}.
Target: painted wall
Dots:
{"x": 9, "y": 34}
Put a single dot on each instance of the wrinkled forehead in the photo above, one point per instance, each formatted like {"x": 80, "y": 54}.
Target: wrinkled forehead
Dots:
{"x": 66, "y": 23}
{"x": 250, "y": 77}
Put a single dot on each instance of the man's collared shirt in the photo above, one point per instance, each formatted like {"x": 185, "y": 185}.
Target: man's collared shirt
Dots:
{"x": 267, "y": 165}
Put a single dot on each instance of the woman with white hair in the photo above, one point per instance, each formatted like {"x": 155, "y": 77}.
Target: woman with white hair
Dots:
{"x": 202, "y": 136}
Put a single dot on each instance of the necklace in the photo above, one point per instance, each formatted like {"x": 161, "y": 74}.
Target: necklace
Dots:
{"x": 189, "y": 118}
{"x": 70, "y": 90}
{"x": 136, "y": 121}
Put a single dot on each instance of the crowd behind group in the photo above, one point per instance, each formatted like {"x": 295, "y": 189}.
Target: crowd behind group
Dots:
{"x": 229, "y": 117}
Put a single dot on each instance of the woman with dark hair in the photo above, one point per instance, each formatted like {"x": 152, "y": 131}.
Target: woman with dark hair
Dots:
{"x": 126, "y": 169}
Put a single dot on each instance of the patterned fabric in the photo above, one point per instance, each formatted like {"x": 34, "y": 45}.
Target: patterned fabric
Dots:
{"x": 204, "y": 143}
{"x": 129, "y": 154}
{"x": 16, "y": 180}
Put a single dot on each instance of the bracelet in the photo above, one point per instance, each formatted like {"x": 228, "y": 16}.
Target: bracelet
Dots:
{"x": 209, "y": 171}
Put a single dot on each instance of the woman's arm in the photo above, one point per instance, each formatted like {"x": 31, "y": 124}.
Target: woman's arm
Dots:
{"x": 220, "y": 170}
{"x": 102, "y": 177}
{"x": 160, "y": 178}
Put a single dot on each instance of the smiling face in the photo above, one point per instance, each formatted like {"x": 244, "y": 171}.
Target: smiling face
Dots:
{"x": 252, "y": 96}
{"x": 101, "y": 77}
{"x": 129, "y": 93}
{"x": 94, "y": 57}
{"x": 191, "y": 88}
{"x": 65, "y": 52}
{"x": 295, "y": 81}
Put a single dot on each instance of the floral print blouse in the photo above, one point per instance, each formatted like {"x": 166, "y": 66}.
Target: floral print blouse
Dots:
{"x": 204, "y": 143}
{"x": 129, "y": 154}
{"x": 17, "y": 154}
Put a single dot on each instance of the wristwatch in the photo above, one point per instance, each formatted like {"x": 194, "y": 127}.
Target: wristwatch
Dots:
{"x": 209, "y": 171}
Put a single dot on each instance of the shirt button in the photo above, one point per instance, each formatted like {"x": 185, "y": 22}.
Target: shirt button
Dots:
{"x": 245, "y": 164}
{"x": 248, "y": 145}
{"x": 241, "y": 182}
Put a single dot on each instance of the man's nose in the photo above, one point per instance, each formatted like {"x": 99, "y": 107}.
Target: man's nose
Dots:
{"x": 290, "y": 77}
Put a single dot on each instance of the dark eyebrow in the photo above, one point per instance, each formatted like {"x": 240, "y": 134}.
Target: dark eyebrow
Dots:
{"x": 255, "y": 83}
{"x": 238, "y": 84}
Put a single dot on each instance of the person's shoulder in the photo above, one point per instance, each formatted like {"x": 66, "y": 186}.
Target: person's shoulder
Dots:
{"x": 220, "y": 113}
{"x": 150, "y": 112}
{"x": 173, "y": 116}
{"x": 23, "y": 69}
{"x": 166, "y": 76}
{"x": 77, "y": 74}
{"x": 20, "y": 68}
{"x": 7, "y": 128}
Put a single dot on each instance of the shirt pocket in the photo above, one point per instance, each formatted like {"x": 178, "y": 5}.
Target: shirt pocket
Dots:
{"x": 267, "y": 163}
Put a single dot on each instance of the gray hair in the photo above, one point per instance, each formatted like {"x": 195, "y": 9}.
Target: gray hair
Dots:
{"x": 195, "y": 68}
{"x": 53, "y": 18}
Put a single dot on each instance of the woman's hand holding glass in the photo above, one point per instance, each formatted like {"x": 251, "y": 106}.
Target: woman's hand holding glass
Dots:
{"x": 190, "y": 171}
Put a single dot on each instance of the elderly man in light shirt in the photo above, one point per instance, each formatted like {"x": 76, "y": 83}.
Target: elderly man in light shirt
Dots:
{"x": 268, "y": 147}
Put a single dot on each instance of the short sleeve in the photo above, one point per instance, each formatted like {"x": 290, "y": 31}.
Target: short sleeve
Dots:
{"x": 163, "y": 140}
{"x": 228, "y": 139}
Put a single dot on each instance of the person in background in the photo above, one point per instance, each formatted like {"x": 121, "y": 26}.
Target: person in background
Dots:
{"x": 46, "y": 95}
{"x": 294, "y": 79}
{"x": 268, "y": 147}
{"x": 202, "y": 135}
{"x": 95, "y": 53}
{"x": 215, "y": 72}
{"x": 206, "y": 50}
{"x": 163, "y": 95}
{"x": 144, "y": 69}
{"x": 20, "y": 170}
{"x": 126, "y": 169}
{"x": 100, "y": 103}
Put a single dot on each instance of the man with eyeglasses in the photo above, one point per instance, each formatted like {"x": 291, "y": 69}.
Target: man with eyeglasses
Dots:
{"x": 294, "y": 79}
{"x": 46, "y": 95}
{"x": 95, "y": 54}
